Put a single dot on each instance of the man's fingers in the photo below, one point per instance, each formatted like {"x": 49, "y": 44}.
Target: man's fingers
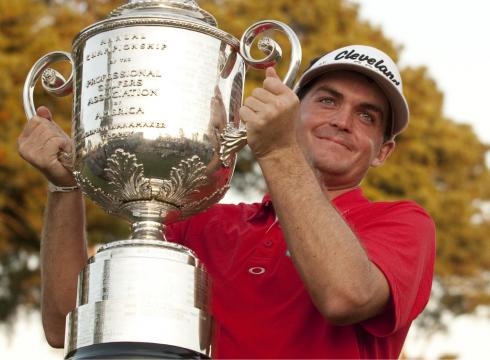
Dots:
{"x": 40, "y": 143}
{"x": 247, "y": 114}
{"x": 40, "y": 124}
{"x": 254, "y": 104}
{"x": 263, "y": 95}
{"x": 39, "y": 148}
{"x": 34, "y": 140}
{"x": 30, "y": 126}
{"x": 42, "y": 118}
{"x": 61, "y": 150}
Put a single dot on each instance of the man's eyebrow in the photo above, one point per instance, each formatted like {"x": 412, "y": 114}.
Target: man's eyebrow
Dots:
{"x": 373, "y": 107}
{"x": 328, "y": 89}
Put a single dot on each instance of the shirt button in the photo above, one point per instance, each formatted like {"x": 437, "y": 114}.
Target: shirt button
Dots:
{"x": 256, "y": 270}
{"x": 268, "y": 243}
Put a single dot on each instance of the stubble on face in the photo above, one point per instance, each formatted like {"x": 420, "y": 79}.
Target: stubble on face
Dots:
{"x": 337, "y": 143}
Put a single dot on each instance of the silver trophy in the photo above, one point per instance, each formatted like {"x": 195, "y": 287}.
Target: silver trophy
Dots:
{"x": 157, "y": 88}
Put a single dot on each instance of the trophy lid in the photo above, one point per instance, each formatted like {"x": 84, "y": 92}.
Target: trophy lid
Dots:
{"x": 177, "y": 13}
{"x": 187, "y": 10}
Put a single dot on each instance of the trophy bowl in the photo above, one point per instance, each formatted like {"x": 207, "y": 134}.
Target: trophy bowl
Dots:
{"x": 157, "y": 89}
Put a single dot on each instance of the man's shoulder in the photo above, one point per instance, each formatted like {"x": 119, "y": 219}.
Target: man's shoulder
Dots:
{"x": 392, "y": 212}
{"x": 356, "y": 203}
{"x": 356, "y": 200}
{"x": 398, "y": 206}
{"x": 403, "y": 208}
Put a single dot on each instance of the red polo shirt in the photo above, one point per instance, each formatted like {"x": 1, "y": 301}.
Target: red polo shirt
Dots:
{"x": 260, "y": 306}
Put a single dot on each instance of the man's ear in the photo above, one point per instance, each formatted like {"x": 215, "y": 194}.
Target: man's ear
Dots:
{"x": 383, "y": 153}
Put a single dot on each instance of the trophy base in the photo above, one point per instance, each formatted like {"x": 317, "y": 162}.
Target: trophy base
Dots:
{"x": 144, "y": 299}
{"x": 133, "y": 350}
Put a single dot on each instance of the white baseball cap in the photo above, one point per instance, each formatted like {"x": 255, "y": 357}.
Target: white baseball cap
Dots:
{"x": 373, "y": 63}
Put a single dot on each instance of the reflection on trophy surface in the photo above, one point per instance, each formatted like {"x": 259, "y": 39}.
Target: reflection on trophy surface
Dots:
{"x": 157, "y": 88}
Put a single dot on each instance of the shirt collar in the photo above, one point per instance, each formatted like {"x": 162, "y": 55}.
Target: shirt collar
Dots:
{"x": 263, "y": 208}
{"x": 344, "y": 203}
{"x": 349, "y": 200}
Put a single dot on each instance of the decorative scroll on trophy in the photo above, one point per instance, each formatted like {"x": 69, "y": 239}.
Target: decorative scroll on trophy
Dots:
{"x": 157, "y": 88}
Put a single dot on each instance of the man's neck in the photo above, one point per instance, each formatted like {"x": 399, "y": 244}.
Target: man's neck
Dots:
{"x": 333, "y": 193}
{"x": 330, "y": 190}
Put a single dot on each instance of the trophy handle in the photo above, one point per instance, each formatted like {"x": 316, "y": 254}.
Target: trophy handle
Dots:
{"x": 233, "y": 139}
{"x": 271, "y": 49}
{"x": 53, "y": 82}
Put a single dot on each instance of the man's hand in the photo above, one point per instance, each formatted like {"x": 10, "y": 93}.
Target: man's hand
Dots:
{"x": 39, "y": 144}
{"x": 270, "y": 114}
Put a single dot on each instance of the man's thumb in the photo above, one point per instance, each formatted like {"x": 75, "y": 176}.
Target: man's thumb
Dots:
{"x": 44, "y": 112}
{"x": 271, "y": 72}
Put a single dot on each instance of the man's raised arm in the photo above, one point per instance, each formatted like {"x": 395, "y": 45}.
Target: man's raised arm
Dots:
{"x": 63, "y": 244}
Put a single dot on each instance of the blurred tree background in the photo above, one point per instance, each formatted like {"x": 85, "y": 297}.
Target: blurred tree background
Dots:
{"x": 438, "y": 163}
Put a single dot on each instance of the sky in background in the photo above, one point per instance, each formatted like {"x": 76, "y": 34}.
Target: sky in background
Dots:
{"x": 450, "y": 38}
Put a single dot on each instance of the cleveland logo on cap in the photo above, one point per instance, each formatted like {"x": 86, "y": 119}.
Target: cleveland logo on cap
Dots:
{"x": 359, "y": 57}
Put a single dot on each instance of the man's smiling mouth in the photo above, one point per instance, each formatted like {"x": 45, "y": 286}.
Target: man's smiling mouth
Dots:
{"x": 335, "y": 140}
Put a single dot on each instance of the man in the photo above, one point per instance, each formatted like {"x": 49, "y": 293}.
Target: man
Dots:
{"x": 315, "y": 270}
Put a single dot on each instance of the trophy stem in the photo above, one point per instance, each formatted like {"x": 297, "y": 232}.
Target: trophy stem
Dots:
{"x": 148, "y": 230}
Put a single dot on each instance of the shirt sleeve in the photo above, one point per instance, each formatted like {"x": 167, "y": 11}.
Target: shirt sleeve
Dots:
{"x": 401, "y": 243}
{"x": 175, "y": 232}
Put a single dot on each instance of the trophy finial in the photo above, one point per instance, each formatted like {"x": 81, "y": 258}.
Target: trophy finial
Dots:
{"x": 191, "y": 2}
{"x": 188, "y": 9}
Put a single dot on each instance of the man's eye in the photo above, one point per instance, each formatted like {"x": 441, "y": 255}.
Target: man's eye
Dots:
{"x": 367, "y": 117}
{"x": 327, "y": 101}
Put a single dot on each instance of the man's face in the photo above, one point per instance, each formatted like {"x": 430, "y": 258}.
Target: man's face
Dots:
{"x": 341, "y": 126}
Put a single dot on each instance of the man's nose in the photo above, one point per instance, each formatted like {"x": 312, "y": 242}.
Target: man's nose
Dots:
{"x": 342, "y": 119}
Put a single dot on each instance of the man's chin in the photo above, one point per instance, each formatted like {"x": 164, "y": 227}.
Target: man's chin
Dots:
{"x": 331, "y": 164}
{"x": 335, "y": 164}
{"x": 332, "y": 169}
